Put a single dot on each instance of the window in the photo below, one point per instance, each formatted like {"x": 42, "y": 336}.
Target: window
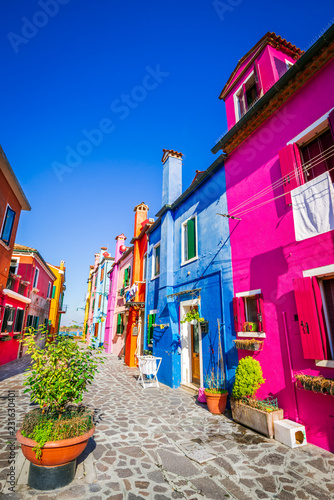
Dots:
{"x": 35, "y": 322}
{"x": 127, "y": 273}
{"x": 49, "y": 289}
{"x": 8, "y": 224}
{"x": 14, "y": 264}
{"x": 29, "y": 320}
{"x": 315, "y": 307}
{"x": 102, "y": 274}
{"x": 100, "y": 300}
{"x": 8, "y": 320}
{"x": 317, "y": 156}
{"x": 189, "y": 240}
{"x": 248, "y": 308}
{"x": 36, "y": 278}
{"x": 120, "y": 324}
{"x": 150, "y": 329}
{"x": 144, "y": 267}
{"x": 19, "y": 320}
{"x": 156, "y": 261}
{"x": 246, "y": 95}
{"x": 300, "y": 164}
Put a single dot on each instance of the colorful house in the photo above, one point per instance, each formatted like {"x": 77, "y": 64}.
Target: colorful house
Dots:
{"x": 92, "y": 330}
{"x": 120, "y": 284}
{"x": 135, "y": 298}
{"x": 57, "y": 307}
{"x": 37, "y": 281}
{"x": 13, "y": 293}
{"x": 87, "y": 303}
{"x": 101, "y": 294}
{"x": 189, "y": 267}
{"x": 279, "y": 169}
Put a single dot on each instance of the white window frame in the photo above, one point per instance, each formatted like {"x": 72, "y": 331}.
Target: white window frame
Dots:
{"x": 321, "y": 272}
{"x": 49, "y": 290}
{"x": 310, "y": 132}
{"x": 17, "y": 263}
{"x": 258, "y": 335}
{"x": 236, "y": 95}
{"x": 144, "y": 267}
{"x": 183, "y": 262}
{"x": 153, "y": 260}
{"x": 36, "y": 277}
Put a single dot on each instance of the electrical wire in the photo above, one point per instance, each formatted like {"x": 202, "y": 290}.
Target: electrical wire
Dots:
{"x": 306, "y": 166}
{"x": 274, "y": 186}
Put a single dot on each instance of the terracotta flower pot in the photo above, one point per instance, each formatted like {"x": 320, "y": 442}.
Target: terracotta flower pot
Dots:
{"x": 216, "y": 402}
{"x": 54, "y": 453}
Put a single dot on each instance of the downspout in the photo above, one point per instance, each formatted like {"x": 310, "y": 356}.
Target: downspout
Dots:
{"x": 290, "y": 366}
{"x": 223, "y": 340}
{"x": 146, "y": 291}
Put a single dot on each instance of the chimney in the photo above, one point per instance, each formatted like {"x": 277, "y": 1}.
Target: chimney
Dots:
{"x": 141, "y": 215}
{"x": 172, "y": 176}
{"x": 120, "y": 239}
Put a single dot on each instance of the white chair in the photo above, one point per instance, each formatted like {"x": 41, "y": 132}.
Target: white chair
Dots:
{"x": 148, "y": 370}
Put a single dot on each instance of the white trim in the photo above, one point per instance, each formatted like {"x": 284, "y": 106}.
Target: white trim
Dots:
{"x": 192, "y": 302}
{"x": 153, "y": 260}
{"x": 252, "y": 335}
{"x": 17, "y": 263}
{"x": 153, "y": 311}
{"x": 326, "y": 363}
{"x": 235, "y": 95}
{"x": 319, "y": 271}
{"x": 15, "y": 295}
{"x": 250, "y": 293}
{"x": 312, "y": 130}
{"x": 185, "y": 337}
{"x": 183, "y": 262}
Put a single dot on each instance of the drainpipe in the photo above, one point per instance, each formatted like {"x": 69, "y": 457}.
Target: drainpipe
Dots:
{"x": 290, "y": 366}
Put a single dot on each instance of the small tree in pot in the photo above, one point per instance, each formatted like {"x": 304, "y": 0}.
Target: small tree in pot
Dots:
{"x": 58, "y": 431}
{"x": 246, "y": 409}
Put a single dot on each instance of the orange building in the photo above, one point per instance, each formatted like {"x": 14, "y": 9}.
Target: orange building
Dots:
{"x": 135, "y": 301}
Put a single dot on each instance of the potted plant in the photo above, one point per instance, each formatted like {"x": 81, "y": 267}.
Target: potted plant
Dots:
{"x": 246, "y": 409}
{"x": 192, "y": 317}
{"x": 54, "y": 434}
{"x": 249, "y": 326}
{"x": 215, "y": 392}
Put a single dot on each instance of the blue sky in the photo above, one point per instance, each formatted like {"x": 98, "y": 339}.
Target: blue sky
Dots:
{"x": 147, "y": 76}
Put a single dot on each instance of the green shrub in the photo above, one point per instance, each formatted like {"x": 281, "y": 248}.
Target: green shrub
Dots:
{"x": 248, "y": 378}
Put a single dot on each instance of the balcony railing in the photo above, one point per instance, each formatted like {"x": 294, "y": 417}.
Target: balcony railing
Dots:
{"x": 62, "y": 309}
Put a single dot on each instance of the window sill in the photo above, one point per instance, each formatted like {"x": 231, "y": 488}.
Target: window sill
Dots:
{"x": 326, "y": 363}
{"x": 5, "y": 245}
{"x": 252, "y": 335}
{"x": 185, "y": 262}
{"x": 155, "y": 277}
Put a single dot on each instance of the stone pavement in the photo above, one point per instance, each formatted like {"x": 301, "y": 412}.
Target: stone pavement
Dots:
{"x": 140, "y": 445}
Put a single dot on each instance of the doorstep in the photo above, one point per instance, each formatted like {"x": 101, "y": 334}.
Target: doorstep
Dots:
{"x": 190, "y": 389}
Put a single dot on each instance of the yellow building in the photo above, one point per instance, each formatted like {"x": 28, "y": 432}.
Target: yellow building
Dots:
{"x": 89, "y": 291}
{"x": 56, "y": 307}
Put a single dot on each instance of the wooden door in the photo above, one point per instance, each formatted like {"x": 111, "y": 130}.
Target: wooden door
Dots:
{"x": 195, "y": 364}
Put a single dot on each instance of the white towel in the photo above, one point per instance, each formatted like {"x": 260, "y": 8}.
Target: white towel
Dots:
{"x": 313, "y": 207}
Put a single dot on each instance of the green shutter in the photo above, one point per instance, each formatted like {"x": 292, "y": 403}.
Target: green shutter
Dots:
{"x": 119, "y": 324}
{"x": 53, "y": 291}
{"x": 129, "y": 274}
{"x": 151, "y": 322}
{"x": 125, "y": 281}
{"x": 191, "y": 230}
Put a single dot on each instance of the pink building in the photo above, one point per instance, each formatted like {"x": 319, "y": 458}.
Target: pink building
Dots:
{"x": 90, "y": 323}
{"x": 279, "y": 104}
{"x": 117, "y": 313}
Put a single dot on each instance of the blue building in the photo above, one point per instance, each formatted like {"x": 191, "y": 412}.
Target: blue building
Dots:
{"x": 189, "y": 267}
{"x": 101, "y": 294}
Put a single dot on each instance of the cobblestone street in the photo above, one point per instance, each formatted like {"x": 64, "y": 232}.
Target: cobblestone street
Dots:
{"x": 141, "y": 441}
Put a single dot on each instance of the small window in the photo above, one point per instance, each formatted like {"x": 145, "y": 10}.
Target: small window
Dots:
{"x": 144, "y": 267}
{"x": 49, "y": 290}
{"x": 14, "y": 264}
{"x": 8, "y": 224}
{"x": 8, "y": 320}
{"x": 36, "y": 278}
{"x": 19, "y": 320}
{"x": 102, "y": 274}
{"x": 189, "y": 239}
{"x": 156, "y": 261}
{"x": 317, "y": 156}
{"x": 127, "y": 274}
{"x": 246, "y": 96}
{"x": 249, "y": 313}
{"x": 100, "y": 300}
{"x": 35, "y": 322}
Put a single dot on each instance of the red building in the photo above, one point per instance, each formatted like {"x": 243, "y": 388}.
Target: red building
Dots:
{"x": 13, "y": 294}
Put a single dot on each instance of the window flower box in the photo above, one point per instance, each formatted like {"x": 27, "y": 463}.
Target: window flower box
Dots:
{"x": 318, "y": 384}
{"x": 249, "y": 345}
{"x": 5, "y": 338}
